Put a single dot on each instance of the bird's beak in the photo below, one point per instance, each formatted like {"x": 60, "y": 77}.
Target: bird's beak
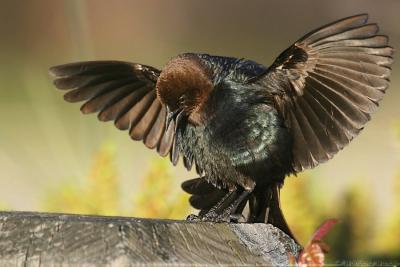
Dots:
{"x": 175, "y": 115}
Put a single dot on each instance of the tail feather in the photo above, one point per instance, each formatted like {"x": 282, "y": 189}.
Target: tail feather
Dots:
{"x": 264, "y": 207}
{"x": 275, "y": 215}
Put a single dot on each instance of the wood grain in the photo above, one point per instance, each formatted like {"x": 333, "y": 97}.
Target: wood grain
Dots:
{"x": 43, "y": 239}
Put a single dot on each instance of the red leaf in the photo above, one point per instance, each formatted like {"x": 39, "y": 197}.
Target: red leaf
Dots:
{"x": 313, "y": 254}
{"x": 323, "y": 229}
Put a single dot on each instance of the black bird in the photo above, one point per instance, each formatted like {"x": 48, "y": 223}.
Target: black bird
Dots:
{"x": 242, "y": 125}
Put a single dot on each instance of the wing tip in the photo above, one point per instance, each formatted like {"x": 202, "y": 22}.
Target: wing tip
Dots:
{"x": 376, "y": 26}
{"x": 58, "y": 70}
{"x": 61, "y": 84}
{"x": 103, "y": 116}
{"x": 85, "y": 109}
{"x": 119, "y": 125}
{"x": 363, "y": 17}
{"x": 69, "y": 98}
{"x": 52, "y": 71}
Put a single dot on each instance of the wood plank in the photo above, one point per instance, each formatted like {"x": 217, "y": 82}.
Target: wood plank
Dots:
{"x": 44, "y": 239}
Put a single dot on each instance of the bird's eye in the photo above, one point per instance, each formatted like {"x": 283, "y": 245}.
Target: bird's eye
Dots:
{"x": 182, "y": 99}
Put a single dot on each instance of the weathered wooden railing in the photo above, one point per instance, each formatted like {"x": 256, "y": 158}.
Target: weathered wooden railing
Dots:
{"x": 43, "y": 239}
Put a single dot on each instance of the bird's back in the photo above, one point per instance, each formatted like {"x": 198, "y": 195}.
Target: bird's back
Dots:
{"x": 231, "y": 68}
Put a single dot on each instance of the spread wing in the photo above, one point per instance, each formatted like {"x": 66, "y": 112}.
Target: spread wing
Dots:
{"x": 122, "y": 92}
{"x": 327, "y": 84}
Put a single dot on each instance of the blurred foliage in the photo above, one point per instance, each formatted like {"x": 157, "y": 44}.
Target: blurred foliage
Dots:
{"x": 388, "y": 241}
{"x": 356, "y": 236}
{"x": 100, "y": 193}
{"x": 300, "y": 206}
{"x": 397, "y": 129}
{"x": 3, "y": 206}
{"x": 157, "y": 197}
{"x": 353, "y": 237}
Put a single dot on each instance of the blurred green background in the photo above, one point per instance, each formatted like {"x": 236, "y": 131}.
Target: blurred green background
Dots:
{"x": 54, "y": 159}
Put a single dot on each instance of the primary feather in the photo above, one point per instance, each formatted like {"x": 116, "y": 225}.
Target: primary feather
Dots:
{"x": 330, "y": 81}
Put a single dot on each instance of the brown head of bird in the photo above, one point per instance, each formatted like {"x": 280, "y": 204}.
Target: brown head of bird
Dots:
{"x": 184, "y": 85}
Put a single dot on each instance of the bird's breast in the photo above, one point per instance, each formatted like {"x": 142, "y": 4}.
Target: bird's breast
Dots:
{"x": 238, "y": 143}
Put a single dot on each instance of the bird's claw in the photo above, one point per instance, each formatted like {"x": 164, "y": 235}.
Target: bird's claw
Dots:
{"x": 237, "y": 218}
{"x": 193, "y": 218}
{"x": 216, "y": 218}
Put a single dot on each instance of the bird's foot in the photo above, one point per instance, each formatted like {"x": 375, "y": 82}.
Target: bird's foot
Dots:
{"x": 219, "y": 213}
{"x": 193, "y": 218}
{"x": 212, "y": 216}
{"x": 237, "y": 218}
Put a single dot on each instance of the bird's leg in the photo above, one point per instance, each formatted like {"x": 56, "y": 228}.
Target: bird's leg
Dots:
{"x": 221, "y": 203}
{"x": 225, "y": 211}
{"x": 237, "y": 215}
{"x": 213, "y": 212}
{"x": 259, "y": 203}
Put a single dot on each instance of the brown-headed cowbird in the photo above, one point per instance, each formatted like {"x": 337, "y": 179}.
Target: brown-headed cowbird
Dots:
{"x": 242, "y": 125}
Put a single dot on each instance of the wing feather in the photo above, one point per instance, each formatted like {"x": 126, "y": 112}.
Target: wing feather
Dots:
{"x": 165, "y": 144}
{"x": 122, "y": 92}
{"x": 152, "y": 138}
{"x": 100, "y": 101}
{"x": 135, "y": 112}
{"x": 335, "y": 28}
{"x": 142, "y": 128}
{"x": 327, "y": 84}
